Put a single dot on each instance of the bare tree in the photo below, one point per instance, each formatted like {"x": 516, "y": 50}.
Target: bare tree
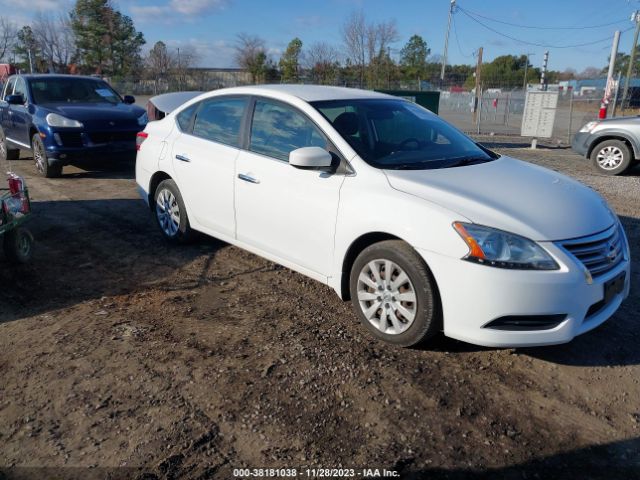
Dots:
{"x": 322, "y": 60}
{"x": 251, "y": 55}
{"x": 366, "y": 44}
{"x": 8, "y": 32}
{"x": 354, "y": 36}
{"x": 55, "y": 40}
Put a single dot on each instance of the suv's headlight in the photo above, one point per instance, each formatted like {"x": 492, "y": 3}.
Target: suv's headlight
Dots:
{"x": 496, "y": 248}
{"x": 55, "y": 120}
{"x": 589, "y": 126}
{"x": 143, "y": 119}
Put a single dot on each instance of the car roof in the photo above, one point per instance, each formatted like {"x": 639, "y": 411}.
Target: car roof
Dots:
{"x": 308, "y": 93}
{"x": 39, "y": 76}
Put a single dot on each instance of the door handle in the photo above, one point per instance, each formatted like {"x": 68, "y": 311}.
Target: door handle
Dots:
{"x": 182, "y": 158}
{"x": 248, "y": 178}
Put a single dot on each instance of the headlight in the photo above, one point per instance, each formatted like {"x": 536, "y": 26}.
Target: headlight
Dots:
{"x": 589, "y": 126}
{"x": 496, "y": 248}
{"x": 55, "y": 120}
{"x": 143, "y": 119}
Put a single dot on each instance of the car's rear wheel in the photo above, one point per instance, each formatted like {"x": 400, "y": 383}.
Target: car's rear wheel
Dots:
{"x": 7, "y": 153}
{"x": 612, "y": 157}
{"x": 394, "y": 294}
{"x": 170, "y": 213}
{"x": 41, "y": 161}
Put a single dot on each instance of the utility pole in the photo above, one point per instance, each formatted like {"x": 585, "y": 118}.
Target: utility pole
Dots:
{"x": 635, "y": 17}
{"x": 609, "y": 87}
{"x": 526, "y": 67}
{"x": 545, "y": 61}
{"x": 179, "y": 71}
{"x": 478, "y": 97}
{"x": 452, "y": 7}
{"x": 30, "y": 61}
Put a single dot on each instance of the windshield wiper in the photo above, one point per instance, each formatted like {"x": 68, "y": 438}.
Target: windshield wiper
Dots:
{"x": 468, "y": 161}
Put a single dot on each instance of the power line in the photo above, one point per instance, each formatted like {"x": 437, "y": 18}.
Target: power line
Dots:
{"x": 546, "y": 45}
{"x": 455, "y": 34}
{"x": 541, "y": 28}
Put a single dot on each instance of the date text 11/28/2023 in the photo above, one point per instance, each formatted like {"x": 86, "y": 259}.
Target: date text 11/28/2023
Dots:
{"x": 314, "y": 473}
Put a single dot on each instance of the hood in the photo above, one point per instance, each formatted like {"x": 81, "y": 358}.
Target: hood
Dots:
{"x": 511, "y": 195}
{"x": 91, "y": 114}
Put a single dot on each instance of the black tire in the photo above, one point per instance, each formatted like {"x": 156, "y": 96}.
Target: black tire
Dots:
{"x": 18, "y": 245}
{"x": 614, "y": 149}
{"x": 40, "y": 159}
{"x": 182, "y": 232}
{"x": 428, "y": 317}
{"x": 7, "y": 153}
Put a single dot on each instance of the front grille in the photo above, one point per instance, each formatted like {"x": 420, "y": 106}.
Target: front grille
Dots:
{"x": 107, "y": 137}
{"x": 599, "y": 253}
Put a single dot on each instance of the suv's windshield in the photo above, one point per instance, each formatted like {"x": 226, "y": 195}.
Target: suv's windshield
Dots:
{"x": 72, "y": 90}
{"x": 398, "y": 134}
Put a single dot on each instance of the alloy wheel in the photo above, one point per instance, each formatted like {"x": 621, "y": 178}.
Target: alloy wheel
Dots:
{"x": 386, "y": 296}
{"x": 39, "y": 157}
{"x": 168, "y": 212}
{"x": 610, "y": 157}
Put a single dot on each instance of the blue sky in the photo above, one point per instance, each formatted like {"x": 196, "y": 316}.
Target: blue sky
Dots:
{"x": 210, "y": 26}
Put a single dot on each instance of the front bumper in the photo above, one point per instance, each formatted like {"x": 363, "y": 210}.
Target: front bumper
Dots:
{"x": 581, "y": 142}
{"x": 474, "y": 295}
{"x": 64, "y": 148}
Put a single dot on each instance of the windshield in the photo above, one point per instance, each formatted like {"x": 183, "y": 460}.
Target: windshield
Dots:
{"x": 398, "y": 134}
{"x": 72, "y": 90}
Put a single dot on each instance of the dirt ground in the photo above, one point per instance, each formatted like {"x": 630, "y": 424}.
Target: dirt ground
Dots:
{"x": 123, "y": 357}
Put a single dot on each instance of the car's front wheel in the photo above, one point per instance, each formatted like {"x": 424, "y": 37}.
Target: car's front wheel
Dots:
{"x": 394, "y": 294}
{"x": 612, "y": 157}
{"x": 41, "y": 161}
{"x": 170, "y": 213}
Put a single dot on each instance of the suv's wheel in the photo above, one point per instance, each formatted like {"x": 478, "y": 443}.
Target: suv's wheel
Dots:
{"x": 612, "y": 157}
{"x": 394, "y": 294}
{"x": 41, "y": 161}
{"x": 7, "y": 153}
{"x": 170, "y": 213}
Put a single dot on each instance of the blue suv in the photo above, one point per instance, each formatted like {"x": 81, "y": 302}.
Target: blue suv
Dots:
{"x": 66, "y": 119}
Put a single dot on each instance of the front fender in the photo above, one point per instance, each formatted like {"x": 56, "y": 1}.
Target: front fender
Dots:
{"x": 368, "y": 204}
{"x": 608, "y": 133}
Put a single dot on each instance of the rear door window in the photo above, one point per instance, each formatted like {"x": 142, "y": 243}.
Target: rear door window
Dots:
{"x": 185, "y": 118}
{"x": 219, "y": 120}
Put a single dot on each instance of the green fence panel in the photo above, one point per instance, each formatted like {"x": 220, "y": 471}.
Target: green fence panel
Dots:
{"x": 428, "y": 100}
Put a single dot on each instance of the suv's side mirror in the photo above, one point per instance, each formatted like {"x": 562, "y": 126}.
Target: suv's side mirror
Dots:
{"x": 16, "y": 99}
{"x": 311, "y": 158}
{"x": 129, "y": 99}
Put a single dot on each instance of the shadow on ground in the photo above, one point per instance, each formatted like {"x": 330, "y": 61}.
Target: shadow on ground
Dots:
{"x": 89, "y": 249}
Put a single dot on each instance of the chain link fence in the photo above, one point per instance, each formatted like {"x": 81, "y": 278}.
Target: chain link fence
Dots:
{"x": 500, "y": 113}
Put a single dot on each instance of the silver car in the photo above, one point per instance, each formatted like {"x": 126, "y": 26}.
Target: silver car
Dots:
{"x": 612, "y": 144}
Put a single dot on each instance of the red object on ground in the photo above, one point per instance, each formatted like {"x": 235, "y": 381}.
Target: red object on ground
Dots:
{"x": 495, "y": 103}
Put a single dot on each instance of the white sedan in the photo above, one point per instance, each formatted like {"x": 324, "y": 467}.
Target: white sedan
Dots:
{"x": 420, "y": 227}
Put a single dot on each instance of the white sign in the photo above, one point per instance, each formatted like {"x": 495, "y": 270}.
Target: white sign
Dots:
{"x": 539, "y": 114}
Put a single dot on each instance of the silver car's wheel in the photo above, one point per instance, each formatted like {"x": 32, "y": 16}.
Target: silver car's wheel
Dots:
{"x": 386, "y": 296}
{"x": 168, "y": 212}
{"x": 610, "y": 157}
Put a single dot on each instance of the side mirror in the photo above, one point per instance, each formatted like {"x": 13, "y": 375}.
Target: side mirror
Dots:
{"x": 129, "y": 99}
{"x": 17, "y": 99}
{"x": 310, "y": 158}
